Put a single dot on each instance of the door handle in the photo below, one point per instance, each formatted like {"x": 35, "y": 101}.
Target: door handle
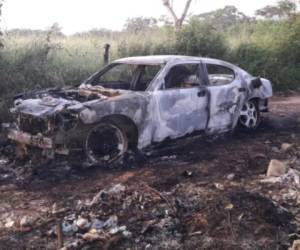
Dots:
{"x": 242, "y": 89}
{"x": 201, "y": 93}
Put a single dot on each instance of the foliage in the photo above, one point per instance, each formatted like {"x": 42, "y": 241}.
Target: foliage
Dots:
{"x": 283, "y": 9}
{"x": 139, "y": 24}
{"x": 199, "y": 38}
{"x": 224, "y": 18}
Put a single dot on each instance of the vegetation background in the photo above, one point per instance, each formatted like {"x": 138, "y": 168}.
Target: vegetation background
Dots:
{"x": 267, "y": 45}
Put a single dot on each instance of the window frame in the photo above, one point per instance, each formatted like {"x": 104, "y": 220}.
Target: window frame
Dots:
{"x": 163, "y": 84}
{"x": 135, "y": 78}
{"x": 223, "y": 66}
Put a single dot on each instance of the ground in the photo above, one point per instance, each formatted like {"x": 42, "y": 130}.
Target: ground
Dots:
{"x": 194, "y": 193}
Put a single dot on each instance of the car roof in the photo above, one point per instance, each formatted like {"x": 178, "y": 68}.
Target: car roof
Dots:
{"x": 159, "y": 59}
{"x": 162, "y": 59}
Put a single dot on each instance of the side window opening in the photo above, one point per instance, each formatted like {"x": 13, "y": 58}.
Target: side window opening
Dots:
{"x": 148, "y": 73}
{"x": 183, "y": 76}
{"x": 219, "y": 75}
{"x": 119, "y": 76}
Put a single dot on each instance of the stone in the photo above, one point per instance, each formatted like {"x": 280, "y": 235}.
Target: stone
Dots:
{"x": 276, "y": 168}
{"x": 127, "y": 234}
{"x": 26, "y": 221}
{"x": 9, "y": 223}
{"x": 230, "y": 177}
{"x": 286, "y": 147}
{"x": 296, "y": 245}
{"x": 275, "y": 150}
{"x": 117, "y": 189}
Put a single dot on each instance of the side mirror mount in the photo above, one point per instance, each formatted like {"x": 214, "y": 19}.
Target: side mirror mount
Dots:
{"x": 256, "y": 83}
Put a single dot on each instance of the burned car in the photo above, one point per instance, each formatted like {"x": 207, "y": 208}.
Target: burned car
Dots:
{"x": 137, "y": 101}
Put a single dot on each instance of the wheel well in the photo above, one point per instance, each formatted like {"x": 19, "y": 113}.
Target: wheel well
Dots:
{"x": 261, "y": 103}
{"x": 127, "y": 125}
{"x": 256, "y": 99}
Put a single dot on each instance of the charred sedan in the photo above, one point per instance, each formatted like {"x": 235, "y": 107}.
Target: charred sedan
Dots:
{"x": 135, "y": 102}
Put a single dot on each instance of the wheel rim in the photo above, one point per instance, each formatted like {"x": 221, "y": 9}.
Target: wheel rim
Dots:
{"x": 105, "y": 144}
{"x": 249, "y": 115}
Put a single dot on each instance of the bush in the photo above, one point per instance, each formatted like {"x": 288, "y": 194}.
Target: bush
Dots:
{"x": 200, "y": 39}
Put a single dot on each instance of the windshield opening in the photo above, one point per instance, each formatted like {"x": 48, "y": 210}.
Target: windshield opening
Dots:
{"x": 127, "y": 76}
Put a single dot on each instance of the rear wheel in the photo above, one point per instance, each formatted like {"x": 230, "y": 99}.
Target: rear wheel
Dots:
{"x": 250, "y": 115}
{"x": 106, "y": 144}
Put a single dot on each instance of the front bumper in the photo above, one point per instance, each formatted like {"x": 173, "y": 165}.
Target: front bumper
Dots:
{"x": 31, "y": 140}
{"x": 39, "y": 141}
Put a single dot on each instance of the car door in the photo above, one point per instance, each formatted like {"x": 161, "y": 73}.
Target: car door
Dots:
{"x": 227, "y": 93}
{"x": 181, "y": 102}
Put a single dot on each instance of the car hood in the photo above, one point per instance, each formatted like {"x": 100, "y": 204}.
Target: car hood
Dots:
{"x": 51, "y": 101}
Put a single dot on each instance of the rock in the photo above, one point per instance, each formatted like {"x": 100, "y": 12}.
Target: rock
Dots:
{"x": 9, "y": 223}
{"x": 286, "y": 147}
{"x": 83, "y": 223}
{"x": 117, "y": 189}
{"x": 187, "y": 173}
{"x": 276, "y": 168}
{"x": 275, "y": 150}
{"x": 26, "y": 221}
{"x": 127, "y": 234}
{"x": 230, "y": 177}
{"x": 296, "y": 245}
{"x": 117, "y": 229}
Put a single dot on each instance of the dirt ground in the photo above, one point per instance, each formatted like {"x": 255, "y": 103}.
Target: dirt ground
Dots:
{"x": 194, "y": 193}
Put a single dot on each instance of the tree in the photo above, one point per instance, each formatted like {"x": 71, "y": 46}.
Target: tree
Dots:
{"x": 283, "y": 9}
{"x": 139, "y": 24}
{"x": 223, "y": 18}
{"x": 177, "y": 21}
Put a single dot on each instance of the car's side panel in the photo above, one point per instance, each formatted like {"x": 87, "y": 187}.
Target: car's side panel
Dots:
{"x": 178, "y": 112}
{"x": 226, "y": 102}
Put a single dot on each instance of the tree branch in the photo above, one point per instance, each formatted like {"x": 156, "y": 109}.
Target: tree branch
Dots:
{"x": 186, "y": 9}
{"x": 178, "y": 21}
{"x": 167, "y": 4}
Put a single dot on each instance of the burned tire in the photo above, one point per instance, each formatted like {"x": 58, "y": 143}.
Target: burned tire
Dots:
{"x": 106, "y": 144}
{"x": 250, "y": 117}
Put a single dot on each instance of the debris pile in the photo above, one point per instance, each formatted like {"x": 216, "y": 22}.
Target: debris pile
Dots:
{"x": 186, "y": 217}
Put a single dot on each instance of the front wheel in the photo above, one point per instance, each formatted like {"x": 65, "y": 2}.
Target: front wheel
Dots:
{"x": 106, "y": 144}
{"x": 250, "y": 115}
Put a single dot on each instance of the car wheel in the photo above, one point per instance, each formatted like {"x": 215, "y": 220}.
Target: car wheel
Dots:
{"x": 250, "y": 115}
{"x": 106, "y": 144}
